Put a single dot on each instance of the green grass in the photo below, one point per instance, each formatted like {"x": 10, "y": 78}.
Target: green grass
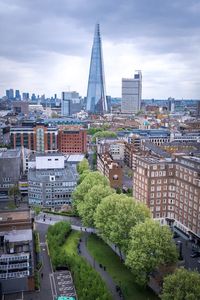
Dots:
{"x": 121, "y": 275}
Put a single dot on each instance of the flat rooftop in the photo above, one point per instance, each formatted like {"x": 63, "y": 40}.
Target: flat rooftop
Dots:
{"x": 14, "y": 215}
{"x": 10, "y": 153}
{"x": 17, "y": 235}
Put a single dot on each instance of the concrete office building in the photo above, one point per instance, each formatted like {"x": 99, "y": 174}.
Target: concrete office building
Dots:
{"x": 16, "y": 251}
{"x": 35, "y": 137}
{"x": 170, "y": 188}
{"x": 65, "y": 104}
{"x": 10, "y": 170}
{"x": 51, "y": 181}
{"x": 4, "y": 134}
{"x": 131, "y": 94}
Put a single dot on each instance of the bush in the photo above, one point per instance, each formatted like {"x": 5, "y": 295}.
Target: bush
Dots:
{"x": 37, "y": 280}
{"x": 37, "y": 242}
{"x": 56, "y": 237}
{"x": 88, "y": 283}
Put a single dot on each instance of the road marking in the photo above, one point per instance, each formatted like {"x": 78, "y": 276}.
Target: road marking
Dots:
{"x": 53, "y": 288}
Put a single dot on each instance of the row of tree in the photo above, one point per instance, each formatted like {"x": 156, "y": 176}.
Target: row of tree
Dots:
{"x": 124, "y": 222}
{"x": 121, "y": 220}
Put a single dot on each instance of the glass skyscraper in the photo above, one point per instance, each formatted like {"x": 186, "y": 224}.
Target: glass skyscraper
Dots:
{"x": 96, "y": 95}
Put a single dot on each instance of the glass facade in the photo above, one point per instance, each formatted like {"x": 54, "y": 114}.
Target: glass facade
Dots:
{"x": 96, "y": 96}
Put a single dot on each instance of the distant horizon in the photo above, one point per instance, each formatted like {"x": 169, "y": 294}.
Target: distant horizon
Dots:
{"x": 47, "y": 47}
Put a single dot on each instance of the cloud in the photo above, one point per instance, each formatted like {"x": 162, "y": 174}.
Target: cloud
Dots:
{"x": 46, "y": 45}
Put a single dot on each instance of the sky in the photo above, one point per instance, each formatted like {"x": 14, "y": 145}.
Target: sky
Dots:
{"x": 45, "y": 45}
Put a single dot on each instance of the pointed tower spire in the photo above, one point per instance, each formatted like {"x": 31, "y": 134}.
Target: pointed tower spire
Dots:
{"x": 96, "y": 95}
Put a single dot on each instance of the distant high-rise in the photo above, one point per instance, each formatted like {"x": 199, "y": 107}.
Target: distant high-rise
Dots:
{"x": 17, "y": 95}
{"x": 10, "y": 94}
{"x": 70, "y": 103}
{"x": 131, "y": 94}
{"x": 65, "y": 104}
{"x": 96, "y": 95}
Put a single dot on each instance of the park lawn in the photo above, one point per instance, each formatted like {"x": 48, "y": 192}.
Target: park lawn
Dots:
{"x": 103, "y": 254}
{"x": 71, "y": 243}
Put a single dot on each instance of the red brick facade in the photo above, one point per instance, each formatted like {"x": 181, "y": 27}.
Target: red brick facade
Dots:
{"x": 72, "y": 139}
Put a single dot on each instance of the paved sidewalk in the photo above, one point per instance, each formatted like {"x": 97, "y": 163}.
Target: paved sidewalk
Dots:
{"x": 105, "y": 276}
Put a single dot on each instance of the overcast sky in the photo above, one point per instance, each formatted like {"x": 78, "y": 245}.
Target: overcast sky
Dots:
{"x": 45, "y": 45}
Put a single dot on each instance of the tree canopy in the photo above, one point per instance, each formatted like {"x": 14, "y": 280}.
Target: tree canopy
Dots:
{"x": 182, "y": 285}
{"x": 83, "y": 166}
{"x": 90, "y": 180}
{"x": 88, "y": 206}
{"x": 83, "y": 175}
{"x": 103, "y": 134}
{"x": 151, "y": 246}
{"x": 116, "y": 215}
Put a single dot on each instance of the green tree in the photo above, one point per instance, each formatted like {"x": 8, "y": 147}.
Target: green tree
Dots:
{"x": 90, "y": 180}
{"x": 83, "y": 175}
{"x": 103, "y": 134}
{"x": 151, "y": 246}
{"x": 116, "y": 215}
{"x": 13, "y": 192}
{"x": 88, "y": 206}
{"x": 93, "y": 130}
{"x": 182, "y": 285}
{"x": 83, "y": 166}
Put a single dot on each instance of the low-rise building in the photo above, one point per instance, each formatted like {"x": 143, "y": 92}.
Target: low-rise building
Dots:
{"x": 72, "y": 139}
{"x": 111, "y": 169}
{"x": 34, "y": 136}
{"x": 51, "y": 181}
{"x": 4, "y": 134}
{"x": 16, "y": 252}
{"x": 113, "y": 146}
{"x": 10, "y": 170}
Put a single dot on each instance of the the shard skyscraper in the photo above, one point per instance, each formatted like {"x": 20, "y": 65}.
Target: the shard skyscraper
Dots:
{"x": 96, "y": 94}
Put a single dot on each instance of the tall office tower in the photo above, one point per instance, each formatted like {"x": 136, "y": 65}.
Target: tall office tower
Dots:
{"x": 65, "y": 104}
{"x": 131, "y": 94}
{"x": 25, "y": 96}
{"x": 10, "y": 94}
{"x": 96, "y": 95}
{"x": 17, "y": 95}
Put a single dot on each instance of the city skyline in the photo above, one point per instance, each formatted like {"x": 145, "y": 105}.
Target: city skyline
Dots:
{"x": 50, "y": 52}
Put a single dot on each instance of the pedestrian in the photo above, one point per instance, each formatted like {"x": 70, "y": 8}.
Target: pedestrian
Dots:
{"x": 104, "y": 268}
{"x": 41, "y": 275}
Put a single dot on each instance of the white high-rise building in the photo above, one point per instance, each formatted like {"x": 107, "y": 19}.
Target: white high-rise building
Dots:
{"x": 131, "y": 93}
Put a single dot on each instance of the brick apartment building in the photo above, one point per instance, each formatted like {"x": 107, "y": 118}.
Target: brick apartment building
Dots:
{"x": 110, "y": 169}
{"x": 130, "y": 154}
{"x": 170, "y": 188}
{"x": 72, "y": 139}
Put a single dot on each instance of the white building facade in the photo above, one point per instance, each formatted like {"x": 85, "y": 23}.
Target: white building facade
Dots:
{"x": 131, "y": 94}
